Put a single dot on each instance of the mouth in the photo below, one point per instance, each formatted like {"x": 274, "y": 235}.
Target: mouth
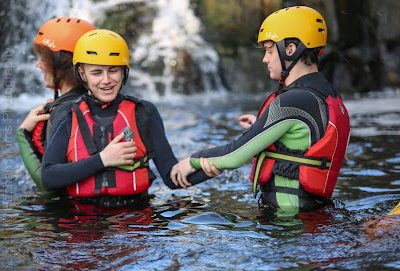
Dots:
{"x": 108, "y": 89}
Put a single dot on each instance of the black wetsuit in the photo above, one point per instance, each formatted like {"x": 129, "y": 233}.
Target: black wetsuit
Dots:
{"x": 295, "y": 120}
{"x": 58, "y": 173}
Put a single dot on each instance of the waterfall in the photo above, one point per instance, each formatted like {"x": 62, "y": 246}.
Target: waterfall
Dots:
{"x": 175, "y": 41}
{"x": 169, "y": 58}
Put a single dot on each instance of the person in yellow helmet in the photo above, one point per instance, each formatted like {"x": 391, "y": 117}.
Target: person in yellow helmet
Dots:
{"x": 53, "y": 45}
{"x": 298, "y": 140}
{"x": 101, "y": 151}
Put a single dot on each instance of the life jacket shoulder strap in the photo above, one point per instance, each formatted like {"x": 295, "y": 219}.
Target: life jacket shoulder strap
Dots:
{"x": 85, "y": 131}
{"x": 143, "y": 119}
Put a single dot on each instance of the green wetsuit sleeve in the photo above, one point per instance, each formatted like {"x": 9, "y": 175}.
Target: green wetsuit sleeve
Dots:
{"x": 29, "y": 157}
{"x": 239, "y": 152}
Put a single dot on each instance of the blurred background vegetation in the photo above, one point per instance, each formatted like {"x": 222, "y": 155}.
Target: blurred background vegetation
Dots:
{"x": 363, "y": 35}
{"x": 362, "y": 55}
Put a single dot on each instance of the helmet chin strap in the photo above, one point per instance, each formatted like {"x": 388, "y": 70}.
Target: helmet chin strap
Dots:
{"x": 284, "y": 57}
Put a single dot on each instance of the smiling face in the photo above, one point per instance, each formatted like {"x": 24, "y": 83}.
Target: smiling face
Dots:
{"x": 271, "y": 59}
{"x": 103, "y": 81}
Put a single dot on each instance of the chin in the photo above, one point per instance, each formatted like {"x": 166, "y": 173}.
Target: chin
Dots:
{"x": 108, "y": 98}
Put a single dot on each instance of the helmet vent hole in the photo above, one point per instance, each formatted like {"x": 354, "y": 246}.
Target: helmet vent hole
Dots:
{"x": 91, "y": 52}
{"x": 58, "y": 20}
{"x": 68, "y": 20}
{"x": 320, "y": 21}
{"x": 321, "y": 30}
{"x": 40, "y": 33}
{"x": 261, "y": 30}
{"x": 78, "y": 21}
{"x": 114, "y": 54}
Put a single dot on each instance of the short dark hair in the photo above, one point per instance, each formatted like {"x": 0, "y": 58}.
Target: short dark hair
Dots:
{"x": 309, "y": 56}
{"x": 65, "y": 74}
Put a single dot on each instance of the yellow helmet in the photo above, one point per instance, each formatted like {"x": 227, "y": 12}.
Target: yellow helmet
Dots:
{"x": 300, "y": 22}
{"x": 101, "y": 47}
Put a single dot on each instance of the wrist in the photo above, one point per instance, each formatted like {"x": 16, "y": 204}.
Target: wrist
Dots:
{"x": 103, "y": 159}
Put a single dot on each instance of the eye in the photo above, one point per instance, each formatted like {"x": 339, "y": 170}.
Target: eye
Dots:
{"x": 114, "y": 69}
{"x": 95, "y": 73}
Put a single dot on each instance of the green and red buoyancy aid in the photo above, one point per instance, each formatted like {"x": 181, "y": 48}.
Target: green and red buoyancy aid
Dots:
{"x": 130, "y": 181}
{"x": 319, "y": 166}
{"x": 40, "y": 133}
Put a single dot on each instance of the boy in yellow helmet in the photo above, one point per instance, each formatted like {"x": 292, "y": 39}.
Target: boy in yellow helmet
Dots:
{"x": 299, "y": 138}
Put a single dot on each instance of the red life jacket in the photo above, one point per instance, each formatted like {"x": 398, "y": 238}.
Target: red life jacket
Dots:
{"x": 319, "y": 166}
{"x": 39, "y": 136}
{"x": 127, "y": 182}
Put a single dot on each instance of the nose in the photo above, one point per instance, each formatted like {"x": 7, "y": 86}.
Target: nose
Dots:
{"x": 39, "y": 63}
{"x": 106, "y": 78}
{"x": 265, "y": 59}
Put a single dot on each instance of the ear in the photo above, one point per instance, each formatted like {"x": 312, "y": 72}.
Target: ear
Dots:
{"x": 82, "y": 73}
{"x": 291, "y": 49}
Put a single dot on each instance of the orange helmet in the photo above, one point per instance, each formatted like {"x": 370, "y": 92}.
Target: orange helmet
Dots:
{"x": 61, "y": 34}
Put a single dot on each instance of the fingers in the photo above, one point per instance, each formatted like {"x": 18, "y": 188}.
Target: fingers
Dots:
{"x": 43, "y": 117}
{"x": 48, "y": 101}
{"x": 209, "y": 168}
{"x": 215, "y": 171}
{"x": 247, "y": 120}
{"x": 205, "y": 166}
{"x": 128, "y": 148}
{"x": 183, "y": 181}
{"x": 117, "y": 139}
{"x": 37, "y": 110}
{"x": 174, "y": 173}
{"x": 178, "y": 176}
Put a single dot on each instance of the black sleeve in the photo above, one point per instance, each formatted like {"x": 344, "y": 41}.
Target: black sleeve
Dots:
{"x": 164, "y": 158}
{"x": 57, "y": 172}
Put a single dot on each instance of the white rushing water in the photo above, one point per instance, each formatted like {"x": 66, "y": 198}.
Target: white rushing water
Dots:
{"x": 175, "y": 29}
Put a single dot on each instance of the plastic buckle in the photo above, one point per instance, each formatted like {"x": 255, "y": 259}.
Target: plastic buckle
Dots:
{"x": 324, "y": 161}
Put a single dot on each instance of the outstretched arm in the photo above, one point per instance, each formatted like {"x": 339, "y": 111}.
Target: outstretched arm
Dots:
{"x": 164, "y": 158}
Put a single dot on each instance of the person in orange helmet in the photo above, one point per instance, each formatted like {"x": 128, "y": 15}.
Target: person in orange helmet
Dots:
{"x": 54, "y": 45}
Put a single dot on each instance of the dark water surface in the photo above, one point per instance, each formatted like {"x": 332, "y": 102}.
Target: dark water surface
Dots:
{"x": 216, "y": 225}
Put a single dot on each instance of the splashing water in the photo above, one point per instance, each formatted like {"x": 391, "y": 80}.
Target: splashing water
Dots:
{"x": 171, "y": 58}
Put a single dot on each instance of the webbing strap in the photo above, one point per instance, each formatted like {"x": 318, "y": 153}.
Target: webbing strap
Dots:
{"x": 138, "y": 163}
{"x": 322, "y": 163}
{"x": 83, "y": 126}
{"x": 260, "y": 161}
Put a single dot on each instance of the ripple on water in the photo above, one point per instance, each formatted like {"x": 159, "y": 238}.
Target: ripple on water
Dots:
{"x": 208, "y": 218}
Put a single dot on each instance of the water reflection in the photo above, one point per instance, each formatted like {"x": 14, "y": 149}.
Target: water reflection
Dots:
{"x": 216, "y": 225}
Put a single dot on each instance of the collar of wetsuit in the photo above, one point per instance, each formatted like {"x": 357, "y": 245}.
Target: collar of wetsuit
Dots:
{"x": 103, "y": 105}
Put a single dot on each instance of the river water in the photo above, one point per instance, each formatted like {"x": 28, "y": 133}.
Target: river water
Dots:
{"x": 216, "y": 225}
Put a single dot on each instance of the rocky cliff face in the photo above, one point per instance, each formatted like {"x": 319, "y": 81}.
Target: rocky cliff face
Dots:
{"x": 363, "y": 51}
{"x": 190, "y": 46}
